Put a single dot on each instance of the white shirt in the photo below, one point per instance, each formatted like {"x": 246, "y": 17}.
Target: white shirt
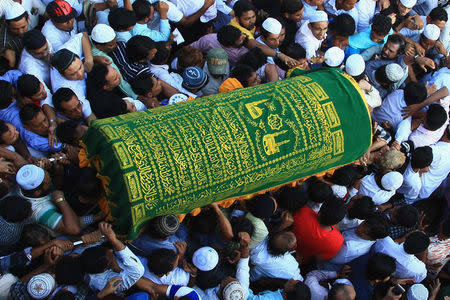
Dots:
{"x": 132, "y": 272}
{"x": 411, "y": 185}
{"x": 39, "y": 68}
{"x": 269, "y": 58}
{"x": 173, "y": 15}
{"x": 353, "y": 247}
{"x": 414, "y": 34}
{"x": 305, "y": 37}
{"x": 57, "y": 37}
{"x": 35, "y": 8}
{"x": 123, "y": 36}
{"x": 370, "y": 188}
{"x": 177, "y": 276}
{"x": 173, "y": 79}
{"x": 407, "y": 265}
{"x": 366, "y": 11}
{"x": 313, "y": 279}
{"x": 190, "y": 7}
{"x": 308, "y": 12}
{"x": 330, "y": 8}
{"x": 266, "y": 265}
{"x": 348, "y": 223}
{"x": 391, "y": 109}
{"x": 439, "y": 169}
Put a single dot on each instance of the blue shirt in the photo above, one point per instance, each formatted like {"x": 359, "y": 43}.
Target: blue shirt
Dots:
{"x": 363, "y": 41}
{"x": 266, "y": 295}
{"x": 363, "y": 288}
{"x": 162, "y": 35}
{"x": 11, "y": 76}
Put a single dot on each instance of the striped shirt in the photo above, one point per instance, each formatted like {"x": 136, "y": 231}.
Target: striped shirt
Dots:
{"x": 128, "y": 69}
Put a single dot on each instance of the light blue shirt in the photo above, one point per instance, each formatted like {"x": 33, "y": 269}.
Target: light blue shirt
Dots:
{"x": 11, "y": 76}
{"x": 362, "y": 39}
{"x": 266, "y": 295}
{"x": 158, "y": 36}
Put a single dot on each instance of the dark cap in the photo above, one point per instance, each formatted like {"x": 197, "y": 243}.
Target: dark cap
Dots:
{"x": 62, "y": 59}
{"x": 60, "y": 11}
{"x": 33, "y": 40}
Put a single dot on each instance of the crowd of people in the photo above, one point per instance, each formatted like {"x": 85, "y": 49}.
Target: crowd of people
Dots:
{"x": 376, "y": 229}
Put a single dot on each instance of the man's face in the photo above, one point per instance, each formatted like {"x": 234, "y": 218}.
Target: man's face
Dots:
{"x": 272, "y": 40}
{"x": 248, "y": 19}
{"x": 75, "y": 71}
{"x": 66, "y": 26}
{"x": 389, "y": 51}
{"x": 42, "y": 53}
{"x": 296, "y": 17}
{"x": 348, "y": 4}
{"x": 319, "y": 29}
{"x": 438, "y": 23}
{"x": 10, "y": 137}
{"x": 113, "y": 78}
{"x": 41, "y": 94}
{"x": 243, "y": 39}
{"x": 73, "y": 109}
{"x": 157, "y": 87}
{"x": 427, "y": 44}
{"x": 315, "y": 2}
{"x": 253, "y": 79}
{"x": 18, "y": 28}
{"x": 39, "y": 124}
{"x": 375, "y": 37}
{"x": 402, "y": 10}
{"x": 108, "y": 47}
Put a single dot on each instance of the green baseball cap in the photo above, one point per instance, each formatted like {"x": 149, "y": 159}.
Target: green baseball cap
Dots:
{"x": 217, "y": 59}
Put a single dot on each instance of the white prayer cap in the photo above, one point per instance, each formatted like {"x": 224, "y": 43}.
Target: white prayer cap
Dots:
{"x": 408, "y": 3}
{"x": 394, "y": 72}
{"x": 272, "y": 25}
{"x": 417, "y": 292}
{"x": 392, "y": 181}
{"x": 205, "y": 259}
{"x": 177, "y": 98}
{"x": 41, "y": 285}
{"x": 318, "y": 16}
{"x": 13, "y": 11}
{"x": 432, "y": 32}
{"x": 233, "y": 291}
{"x": 102, "y": 33}
{"x": 334, "y": 56}
{"x": 355, "y": 65}
{"x": 30, "y": 177}
{"x": 339, "y": 191}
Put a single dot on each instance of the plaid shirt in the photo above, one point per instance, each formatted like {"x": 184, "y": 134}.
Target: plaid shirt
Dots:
{"x": 8, "y": 41}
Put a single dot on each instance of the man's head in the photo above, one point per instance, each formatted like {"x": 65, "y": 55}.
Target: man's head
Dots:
{"x": 300, "y": 292}
{"x": 61, "y": 14}
{"x": 34, "y": 119}
{"x": 391, "y": 160}
{"x": 341, "y": 291}
{"x": 14, "y": 209}
{"x": 416, "y": 243}
{"x": 231, "y": 37}
{"x": 360, "y": 207}
{"x": 438, "y": 16}
{"x": 342, "y": 26}
{"x": 292, "y": 10}
{"x": 194, "y": 79}
{"x": 245, "y": 75}
{"x": 414, "y": 93}
{"x": 6, "y": 94}
{"x": 231, "y": 289}
{"x": 162, "y": 261}
{"x": 140, "y": 49}
{"x": 405, "y": 6}
{"x": 404, "y": 215}
{"x": 262, "y": 206}
{"x": 346, "y": 5}
{"x": 394, "y": 47}
{"x": 162, "y": 54}
{"x": 16, "y": 19}
{"x": 103, "y": 77}
{"x": 281, "y": 242}
{"x": 189, "y": 56}
{"x": 67, "y": 103}
{"x": 217, "y": 60}
{"x": 389, "y": 74}
{"x": 30, "y": 90}
{"x": 68, "y": 271}
{"x": 315, "y": 2}
{"x": 429, "y": 36}
{"x": 436, "y": 117}
{"x": 68, "y": 64}
{"x": 33, "y": 181}
{"x": 162, "y": 227}
{"x": 8, "y": 133}
{"x": 245, "y": 14}
{"x": 297, "y": 52}
{"x": 104, "y": 38}
{"x": 332, "y": 211}
{"x": 381, "y": 25}
{"x": 270, "y": 32}
{"x": 421, "y": 159}
{"x": 318, "y": 191}
{"x": 88, "y": 186}
{"x": 373, "y": 228}
{"x": 143, "y": 10}
{"x": 71, "y": 132}
{"x": 97, "y": 259}
{"x": 36, "y": 44}
{"x": 318, "y": 24}
{"x": 146, "y": 85}
{"x": 121, "y": 19}
{"x": 380, "y": 268}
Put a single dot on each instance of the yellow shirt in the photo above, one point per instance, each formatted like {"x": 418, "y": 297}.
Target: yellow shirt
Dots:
{"x": 249, "y": 33}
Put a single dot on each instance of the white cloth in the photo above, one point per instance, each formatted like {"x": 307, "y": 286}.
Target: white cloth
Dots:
{"x": 35, "y": 8}
{"x": 411, "y": 185}
{"x": 266, "y": 265}
{"x": 445, "y": 34}
{"x": 132, "y": 270}
{"x": 177, "y": 276}
{"x": 407, "y": 265}
{"x": 174, "y": 79}
{"x": 439, "y": 169}
{"x": 305, "y": 37}
{"x": 403, "y": 130}
{"x": 391, "y": 109}
{"x": 313, "y": 279}
{"x": 269, "y": 58}
{"x": 370, "y": 188}
{"x": 190, "y": 7}
{"x": 57, "y": 37}
{"x": 39, "y": 68}
{"x": 308, "y": 11}
{"x": 353, "y": 247}
{"x": 366, "y": 11}
{"x": 347, "y": 223}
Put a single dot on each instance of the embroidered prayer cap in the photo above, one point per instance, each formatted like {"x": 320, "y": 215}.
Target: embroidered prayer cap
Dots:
{"x": 230, "y": 84}
{"x": 334, "y": 56}
{"x": 355, "y": 65}
{"x": 60, "y": 11}
{"x": 318, "y": 16}
{"x": 408, "y": 3}
{"x": 394, "y": 72}
{"x": 194, "y": 78}
{"x": 431, "y": 32}
{"x": 62, "y": 59}
{"x": 183, "y": 291}
{"x": 217, "y": 60}
{"x": 41, "y": 285}
{"x": 205, "y": 259}
{"x": 177, "y": 98}
{"x": 392, "y": 181}
{"x": 168, "y": 224}
{"x": 272, "y": 25}
{"x": 33, "y": 39}
{"x": 102, "y": 33}
{"x": 233, "y": 291}
{"x": 30, "y": 177}
{"x": 417, "y": 292}
{"x": 13, "y": 11}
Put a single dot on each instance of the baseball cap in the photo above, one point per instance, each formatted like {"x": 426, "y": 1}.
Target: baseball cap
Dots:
{"x": 60, "y": 11}
{"x": 217, "y": 60}
{"x": 13, "y": 11}
{"x": 62, "y": 59}
{"x": 194, "y": 78}
{"x": 30, "y": 177}
{"x": 102, "y": 33}
{"x": 205, "y": 259}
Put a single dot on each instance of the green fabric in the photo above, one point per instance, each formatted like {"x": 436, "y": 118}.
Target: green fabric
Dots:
{"x": 176, "y": 158}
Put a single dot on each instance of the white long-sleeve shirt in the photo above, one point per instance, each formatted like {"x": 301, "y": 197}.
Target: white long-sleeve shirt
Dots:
{"x": 313, "y": 279}
{"x": 305, "y": 37}
{"x": 411, "y": 185}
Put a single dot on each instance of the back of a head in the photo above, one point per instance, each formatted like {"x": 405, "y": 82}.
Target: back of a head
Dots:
{"x": 332, "y": 211}
{"x": 162, "y": 54}
{"x": 88, "y": 184}
{"x": 318, "y": 191}
{"x": 141, "y": 9}
{"x": 142, "y": 84}
{"x": 161, "y": 261}
{"x": 406, "y": 215}
{"x": 242, "y": 73}
{"x": 121, "y": 19}
{"x": 14, "y": 209}
{"x": 62, "y": 95}
{"x": 64, "y": 295}
{"x": 342, "y": 25}
{"x": 261, "y": 206}
{"x": 138, "y": 48}
{"x": 241, "y": 7}
{"x": 6, "y": 94}
{"x": 438, "y": 14}
{"x": 300, "y": 292}
{"x": 34, "y": 235}
{"x": 158, "y": 229}
{"x": 446, "y": 227}
{"x": 436, "y": 117}
{"x": 379, "y": 267}
{"x": 228, "y": 35}
{"x": 254, "y": 58}
{"x": 416, "y": 242}
{"x": 421, "y": 157}
{"x": 414, "y": 93}
{"x": 291, "y": 198}
{"x": 28, "y": 112}
{"x": 362, "y": 208}
{"x": 281, "y": 242}
{"x": 241, "y": 225}
{"x": 377, "y": 226}
{"x": 189, "y": 56}
{"x": 66, "y": 131}
{"x": 340, "y": 291}
{"x": 291, "y": 6}
{"x": 68, "y": 271}
{"x": 96, "y": 79}
{"x": 28, "y": 85}
{"x": 94, "y": 260}
{"x": 380, "y": 75}
{"x": 294, "y": 50}
{"x": 345, "y": 176}
{"x": 381, "y": 24}
{"x": 33, "y": 39}
{"x": 392, "y": 160}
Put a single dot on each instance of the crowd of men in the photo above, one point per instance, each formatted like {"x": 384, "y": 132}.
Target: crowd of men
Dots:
{"x": 376, "y": 229}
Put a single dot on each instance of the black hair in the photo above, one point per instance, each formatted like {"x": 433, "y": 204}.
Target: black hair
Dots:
{"x": 381, "y": 76}
{"x": 24, "y": 15}
{"x": 380, "y": 266}
{"x": 345, "y": 176}
{"x": 28, "y": 85}
{"x": 261, "y": 206}
{"x": 64, "y": 295}
{"x": 94, "y": 260}
{"x": 3, "y": 128}
{"x": 68, "y": 271}
{"x": 381, "y": 24}
{"x": 241, "y": 225}
{"x": 228, "y": 35}
{"x": 436, "y": 117}
{"x": 255, "y": 58}
{"x": 277, "y": 250}
{"x": 121, "y": 19}
{"x": 6, "y": 94}
{"x": 294, "y": 50}
{"x": 60, "y": 96}
{"x": 66, "y": 131}
{"x": 291, "y": 6}
{"x": 291, "y": 198}
{"x": 318, "y": 191}
{"x": 34, "y": 235}
{"x": 161, "y": 261}
{"x": 406, "y": 215}
{"x": 362, "y": 208}
{"x": 28, "y": 112}
{"x": 377, "y": 225}
{"x": 242, "y": 72}
{"x": 300, "y": 292}
{"x": 162, "y": 53}
{"x": 342, "y": 25}
{"x": 446, "y": 227}
{"x": 152, "y": 229}
{"x": 332, "y": 211}
{"x": 416, "y": 242}
{"x": 96, "y": 79}
{"x": 421, "y": 157}
{"x": 414, "y": 93}
{"x": 138, "y": 47}
{"x": 15, "y": 209}
{"x": 397, "y": 40}
{"x": 88, "y": 184}
{"x": 142, "y": 84}
{"x": 438, "y": 13}
{"x": 381, "y": 289}
{"x": 336, "y": 290}
{"x": 141, "y": 9}
{"x": 241, "y": 7}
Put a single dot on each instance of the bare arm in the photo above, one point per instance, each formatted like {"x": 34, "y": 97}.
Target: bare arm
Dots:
{"x": 224, "y": 224}
{"x": 87, "y": 51}
{"x": 193, "y": 18}
{"x": 69, "y": 223}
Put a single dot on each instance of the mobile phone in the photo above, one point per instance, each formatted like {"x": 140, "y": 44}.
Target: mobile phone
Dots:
{"x": 398, "y": 290}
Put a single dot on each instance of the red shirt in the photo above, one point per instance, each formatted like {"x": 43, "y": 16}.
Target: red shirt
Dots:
{"x": 312, "y": 239}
